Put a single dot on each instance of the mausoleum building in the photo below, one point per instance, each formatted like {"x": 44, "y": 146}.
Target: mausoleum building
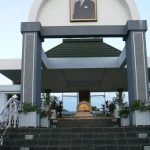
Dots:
{"x": 82, "y": 63}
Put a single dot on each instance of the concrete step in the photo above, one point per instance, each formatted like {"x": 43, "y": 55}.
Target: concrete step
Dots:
{"x": 77, "y": 138}
{"x": 82, "y": 130}
{"x": 72, "y": 138}
{"x": 103, "y": 147}
{"x": 85, "y": 123}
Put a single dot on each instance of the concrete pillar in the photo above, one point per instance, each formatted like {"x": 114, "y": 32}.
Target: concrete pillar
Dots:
{"x": 3, "y": 100}
{"x": 137, "y": 61}
{"x": 31, "y": 63}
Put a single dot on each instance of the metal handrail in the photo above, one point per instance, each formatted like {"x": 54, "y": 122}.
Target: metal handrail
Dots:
{"x": 9, "y": 116}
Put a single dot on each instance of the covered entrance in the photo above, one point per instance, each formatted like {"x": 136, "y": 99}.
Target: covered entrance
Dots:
{"x": 82, "y": 64}
{"x": 110, "y": 72}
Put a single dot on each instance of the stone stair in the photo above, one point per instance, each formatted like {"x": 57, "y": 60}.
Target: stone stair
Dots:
{"x": 78, "y": 122}
{"x": 73, "y": 135}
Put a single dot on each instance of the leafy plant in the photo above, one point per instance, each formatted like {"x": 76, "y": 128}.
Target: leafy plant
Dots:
{"x": 43, "y": 113}
{"x": 138, "y": 105}
{"x": 59, "y": 108}
{"x": 28, "y": 107}
{"x": 120, "y": 99}
{"x": 46, "y": 113}
{"x": 148, "y": 107}
{"x": 51, "y": 103}
{"x": 111, "y": 106}
{"x": 124, "y": 112}
{"x": 94, "y": 108}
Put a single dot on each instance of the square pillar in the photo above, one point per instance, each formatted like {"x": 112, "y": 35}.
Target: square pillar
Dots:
{"x": 31, "y": 63}
{"x": 137, "y": 69}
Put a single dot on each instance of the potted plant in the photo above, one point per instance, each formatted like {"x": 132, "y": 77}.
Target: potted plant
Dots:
{"x": 140, "y": 113}
{"x": 29, "y": 115}
{"x": 55, "y": 107}
{"x": 45, "y": 116}
{"x": 124, "y": 115}
{"x": 114, "y": 110}
{"x": 59, "y": 108}
{"x": 48, "y": 110}
{"x": 111, "y": 107}
{"x": 45, "y": 110}
{"x": 119, "y": 102}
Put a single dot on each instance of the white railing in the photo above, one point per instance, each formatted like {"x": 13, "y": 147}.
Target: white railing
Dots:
{"x": 9, "y": 115}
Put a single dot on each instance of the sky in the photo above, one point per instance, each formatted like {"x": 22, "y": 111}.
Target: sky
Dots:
{"x": 13, "y": 12}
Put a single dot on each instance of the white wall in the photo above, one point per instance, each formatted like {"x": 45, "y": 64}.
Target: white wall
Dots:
{"x": 57, "y": 12}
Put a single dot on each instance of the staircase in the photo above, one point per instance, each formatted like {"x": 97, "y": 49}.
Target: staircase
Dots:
{"x": 79, "y": 134}
{"x": 86, "y": 122}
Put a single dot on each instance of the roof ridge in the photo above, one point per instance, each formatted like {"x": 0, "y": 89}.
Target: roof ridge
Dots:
{"x": 83, "y": 40}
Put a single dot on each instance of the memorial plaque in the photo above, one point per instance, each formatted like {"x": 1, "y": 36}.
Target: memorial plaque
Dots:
{"x": 29, "y": 137}
{"x": 146, "y": 147}
{"x": 142, "y": 135}
{"x": 24, "y": 148}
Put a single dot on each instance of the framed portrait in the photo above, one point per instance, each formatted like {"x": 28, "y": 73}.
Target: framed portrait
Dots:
{"x": 83, "y": 10}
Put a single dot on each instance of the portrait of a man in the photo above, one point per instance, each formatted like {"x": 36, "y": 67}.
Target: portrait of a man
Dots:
{"x": 83, "y": 10}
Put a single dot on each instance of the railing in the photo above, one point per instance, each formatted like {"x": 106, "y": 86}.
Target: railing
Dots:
{"x": 9, "y": 116}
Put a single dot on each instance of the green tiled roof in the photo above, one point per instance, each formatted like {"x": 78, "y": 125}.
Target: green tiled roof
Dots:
{"x": 83, "y": 48}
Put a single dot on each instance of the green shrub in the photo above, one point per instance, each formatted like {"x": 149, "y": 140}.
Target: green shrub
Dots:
{"x": 28, "y": 107}
{"x": 124, "y": 112}
{"x": 111, "y": 107}
{"x": 138, "y": 105}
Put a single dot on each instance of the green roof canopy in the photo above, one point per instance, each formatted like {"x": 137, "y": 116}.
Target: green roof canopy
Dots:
{"x": 83, "y": 48}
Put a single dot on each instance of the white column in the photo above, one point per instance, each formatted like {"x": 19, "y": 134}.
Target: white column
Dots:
{"x": 3, "y": 100}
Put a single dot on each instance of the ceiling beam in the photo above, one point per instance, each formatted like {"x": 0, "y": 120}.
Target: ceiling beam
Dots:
{"x": 84, "y": 31}
{"x": 10, "y": 89}
{"x": 81, "y": 63}
{"x": 122, "y": 58}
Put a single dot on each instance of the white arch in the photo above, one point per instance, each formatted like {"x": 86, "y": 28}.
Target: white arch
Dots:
{"x": 129, "y": 7}
{"x": 132, "y": 9}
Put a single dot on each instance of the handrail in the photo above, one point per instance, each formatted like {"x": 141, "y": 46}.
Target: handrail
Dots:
{"x": 9, "y": 116}
{"x": 6, "y": 105}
